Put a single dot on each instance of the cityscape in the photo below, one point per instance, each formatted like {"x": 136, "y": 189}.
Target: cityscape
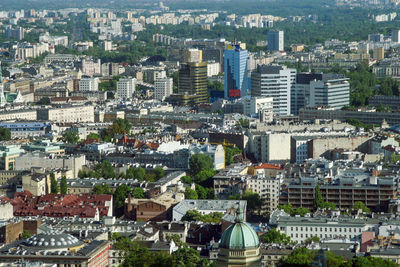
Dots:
{"x": 214, "y": 133}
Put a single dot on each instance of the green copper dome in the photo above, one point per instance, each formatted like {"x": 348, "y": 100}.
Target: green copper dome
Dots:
{"x": 239, "y": 235}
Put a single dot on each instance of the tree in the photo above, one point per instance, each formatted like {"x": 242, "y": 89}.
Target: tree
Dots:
{"x": 5, "y": 134}
{"x": 101, "y": 189}
{"x": 53, "y": 184}
{"x": 70, "y": 137}
{"x": 105, "y": 170}
{"x": 139, "y": 173}
{"x": 302, "y": 211}
{"x": 229, "y": 153}
{"x": 318, "y": 201}
{"x": 394, "y": 158}
{"x": 190, "y": 193}
{"x": 188, "y": 257}
{"x": 202, "y": 176}
{"x": 120, "y": 126}
{"x": 63, "y": 185}
{"x": 199, "y": 162}
{"x": 276, "y": 237}
{"x": 288, "y": 208}
{"x": 186, "y": 179}
{"x": 93, "y": 136}
{"x": 310, "y": 240}
{"x": 138, "y": 192}
{"x": 358, "y": 205}
{"x": 254, "y": 202}
{"x": 44, "y": 101}
{"x": 299, "y": 257}
{"x": 204, "y": 192}
{"x": 176, "y": 238}
{"x": 25, "y": 234}
{"x": 368, "y": 262}
{"x": 159, "y": 172}
{"x": 120, "y": 194}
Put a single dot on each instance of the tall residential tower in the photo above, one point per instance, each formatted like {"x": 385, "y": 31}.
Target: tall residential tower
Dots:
{"x": 235, "y": 68}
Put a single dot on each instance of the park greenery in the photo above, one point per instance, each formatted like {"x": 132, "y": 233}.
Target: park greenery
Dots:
{"x": 288, "y": 208}
{"x": 106, "y": 170}
{"x": 303, "y": 257}
{"x": 196, "y": 216}
{"x": 274, "y": 236}
{"x": 70, "y": 137}
{"x": 138, "y": 255}
{"x": 5, "y": 134}
{"x": 230, "y": 152}
{"x": 319, "y": 202}
{"x": 358, "y": 205}
{"x": 119, "y": 126}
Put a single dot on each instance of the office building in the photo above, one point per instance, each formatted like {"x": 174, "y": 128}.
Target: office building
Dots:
{"x": 163, "y": 88}
{"x": 378, "y": 53}
{"x": 377, "y": 38}
{"x": 192, "y": 56}
{"x": 17, "y": 33}
{"x": 193, "y": 81}
{"x": 332, "y": 91}
{"x": 276, "y": 82}
{"x": 126, "y": 88}
{"x": 276, "y": 41}
{"x": 300, "y": 95}
{"x": 89, "y": 84}
{"x": 259, "y": 107}
{"x": 235, "y": 68}
{"x": 8, "y": 155}
{"x": 396, "y": 36}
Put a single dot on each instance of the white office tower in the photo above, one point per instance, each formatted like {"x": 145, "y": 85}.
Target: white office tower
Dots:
{"x": 259, "y": 107}
{"x": 126, "y": 88}
{"x": 163, "y": 88}
{"x": 276, "y": 82}
{"x": 89, "y": 84}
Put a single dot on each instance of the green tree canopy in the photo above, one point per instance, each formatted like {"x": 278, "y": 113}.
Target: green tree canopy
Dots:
{"x": 358, "y": 205}
{"x": 200, "y": 162}
{"x": 63, "y": 185}
{"x": 101, "y": 189}
{"x": 70, "y": 137}
{"x": 276, "y": 237}
{"x": 138, "y": 192}
{"x": 230, "y": 152}
{"x": 190, "y": 193}
{"x": 5, "y": 134}
{"x": 53, "y": 184}
{"x": 120, "y": 194}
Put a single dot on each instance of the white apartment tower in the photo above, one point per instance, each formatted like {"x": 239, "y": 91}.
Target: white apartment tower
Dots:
{"x": 89, "y": 84}
{"x": 126, "y": 88}
{"x": 163, "y": 88}
{"x": 276, "y": 82}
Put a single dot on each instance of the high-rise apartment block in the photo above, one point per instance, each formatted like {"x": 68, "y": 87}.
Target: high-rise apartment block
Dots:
{"x": 276, "y": 82}
{"x": 396, "y": 36}
{"x": 193, "y": 81}
{"x": 126, "y": 88}
{"x": 276, "y": 41}
{"x": 235, "y": 68}
{"x": 333, "y": 91}
{"x": 89, "y": 84}
{"x": 163, "y": 88}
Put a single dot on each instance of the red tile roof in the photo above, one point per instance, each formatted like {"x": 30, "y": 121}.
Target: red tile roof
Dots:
{"x": 269, "y": 166}
{"x": 55, "y": 205}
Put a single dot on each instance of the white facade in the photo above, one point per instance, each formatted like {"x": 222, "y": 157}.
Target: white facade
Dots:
{"x": 213, "y": 68}
{"x": 126, "y": 88}
{"x": 163, "y": 88}
{"x": 261, "y": 107}
{"x": 268, "y": 189}
{"x": 89, "y": 84}
{"x": 6, "y": 211}
{"x": 276, "y": 82}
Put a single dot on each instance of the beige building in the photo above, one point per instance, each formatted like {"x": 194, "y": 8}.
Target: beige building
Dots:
{"x": 38, "y": 159}
{"x": 81, "y": 113}
{"x": 24, "y": 114}
{"x": 378, "y": 53}
{"x": 193, "y": 56}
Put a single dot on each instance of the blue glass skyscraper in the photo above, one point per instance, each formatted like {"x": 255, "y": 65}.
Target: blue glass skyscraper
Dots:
{"x": 235, "y": 68}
